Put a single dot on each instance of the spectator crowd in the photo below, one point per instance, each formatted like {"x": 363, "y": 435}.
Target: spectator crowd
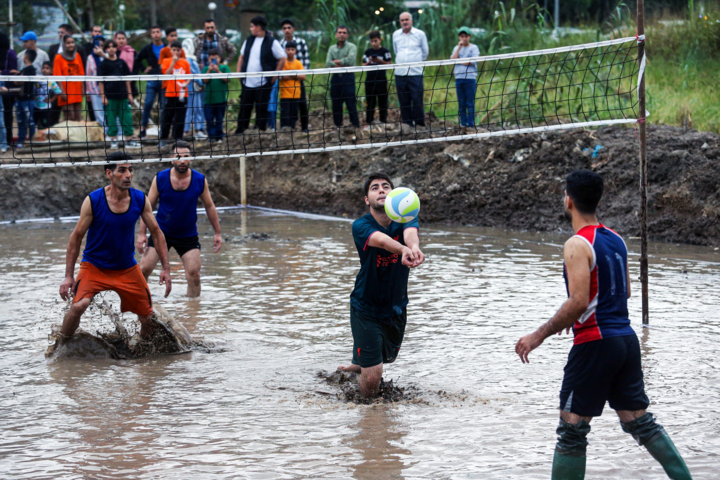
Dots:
{"x": 198, "y": 106}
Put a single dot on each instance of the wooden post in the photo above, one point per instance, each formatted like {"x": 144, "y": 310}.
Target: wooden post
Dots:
{"x": 643, "y": 170}
{"x": 243, "y": 182}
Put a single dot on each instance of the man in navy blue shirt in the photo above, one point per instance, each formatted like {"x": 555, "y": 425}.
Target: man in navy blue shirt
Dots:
{"x": 378, "y": 303}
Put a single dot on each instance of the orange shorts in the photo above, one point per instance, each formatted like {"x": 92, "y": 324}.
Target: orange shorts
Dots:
{"x": 129, "y": 284}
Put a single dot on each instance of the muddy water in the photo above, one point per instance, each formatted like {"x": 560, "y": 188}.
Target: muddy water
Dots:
{"x": 279, "y": 308}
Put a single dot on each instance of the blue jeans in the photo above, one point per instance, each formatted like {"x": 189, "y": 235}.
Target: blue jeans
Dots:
{"x": 152, "y": 90}
{"x": 24, "y": 111}
{"x": 410, "y": 92}
{"x": 195, "y": 115}
{"x": 466, "y": 101}
{"x": 214, "y": 116}
{"x": 273, "y": 105}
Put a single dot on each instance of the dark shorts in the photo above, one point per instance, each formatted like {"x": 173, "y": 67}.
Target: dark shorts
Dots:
{"x": 607, "y": 370}
{"x": 181, "y": 245}
{"x": 376, "y": 341}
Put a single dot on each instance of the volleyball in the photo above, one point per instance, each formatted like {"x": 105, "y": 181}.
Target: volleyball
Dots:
{"x": 402, "y": 205}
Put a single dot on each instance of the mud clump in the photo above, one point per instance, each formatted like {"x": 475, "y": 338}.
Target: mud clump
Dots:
{"x": 349, "y": 385}
{"x": 169, "y": 337}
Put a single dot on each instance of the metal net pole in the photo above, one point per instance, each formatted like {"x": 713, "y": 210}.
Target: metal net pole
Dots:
{"x": 643, "y": 168}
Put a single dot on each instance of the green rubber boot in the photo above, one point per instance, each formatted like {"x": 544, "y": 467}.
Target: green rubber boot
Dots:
{"x": 568, "y": 467}
{"x": 663, "y": 450}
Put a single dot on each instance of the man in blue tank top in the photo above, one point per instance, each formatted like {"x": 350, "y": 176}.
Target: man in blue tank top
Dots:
{"x": 109, "y": 215}
{"x": 378, "y": 303}
{"x": 604, "y": 364}
{"x": 179, "y": 188}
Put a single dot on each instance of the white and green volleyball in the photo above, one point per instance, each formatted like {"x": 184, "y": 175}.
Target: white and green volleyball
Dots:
{"x": 402, "y": 205}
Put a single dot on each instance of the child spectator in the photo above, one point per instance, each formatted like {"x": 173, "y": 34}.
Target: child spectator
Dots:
{"x": 290, "y": 88}
{"x": 69, "y": 63}
{"x": 376, "y": 85}
{"x": 175, "y": 94}
{"x": 216, "y": 93}
{"x": 45, "y": 93}
{"x": 26, "y": 100}
{"x": 171, "y": 36}
{"x": 116, "y": 96}
{"x": 465, "y": 77}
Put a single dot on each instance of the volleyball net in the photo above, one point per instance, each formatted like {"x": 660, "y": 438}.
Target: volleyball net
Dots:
{"x": 226, "y": 115}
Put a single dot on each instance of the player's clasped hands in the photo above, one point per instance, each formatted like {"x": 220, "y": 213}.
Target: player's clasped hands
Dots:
{"x": 412, "y": 257}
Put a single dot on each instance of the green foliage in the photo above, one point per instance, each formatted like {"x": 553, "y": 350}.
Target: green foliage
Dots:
{"x": 27, "y": 16}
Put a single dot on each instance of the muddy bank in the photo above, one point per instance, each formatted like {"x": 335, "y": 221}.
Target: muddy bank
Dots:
{"x": 510, "y": 182}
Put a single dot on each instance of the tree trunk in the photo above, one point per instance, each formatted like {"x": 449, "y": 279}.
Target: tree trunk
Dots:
{"x": 90, "y": 13}
{"x": 153, "y": 12}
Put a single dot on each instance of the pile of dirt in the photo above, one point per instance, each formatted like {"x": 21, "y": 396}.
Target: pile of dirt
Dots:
{"x": 508, "y": 182}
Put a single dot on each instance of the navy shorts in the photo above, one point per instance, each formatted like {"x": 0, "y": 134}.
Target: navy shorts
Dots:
{"x": 376, "y": 341}
{"x": 607, "y": 370}
{"x": 181, "y": 245}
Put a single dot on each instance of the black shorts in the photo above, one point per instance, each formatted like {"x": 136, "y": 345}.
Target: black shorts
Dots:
{"x": 376, "y": 341}
{"x": 181, "y": 245}
{"x": 600, "y": 371}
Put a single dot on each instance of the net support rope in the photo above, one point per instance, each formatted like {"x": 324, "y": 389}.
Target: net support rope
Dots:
{"x": 579, "y": 86}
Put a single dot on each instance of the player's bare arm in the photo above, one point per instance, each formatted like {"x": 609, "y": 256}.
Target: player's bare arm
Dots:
{"x": 73, "y": 248}
{"x": 212, "y": 215}
{"x": 412, "y": 240}
{"x": 578, "y": 263}
{"x": 152, "y": 196}
{"x": 380, "y": 240}
{"x": 160, "y": 245}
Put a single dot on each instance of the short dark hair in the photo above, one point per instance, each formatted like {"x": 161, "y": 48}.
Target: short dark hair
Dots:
{"x": 108, "y": 43}
{"x": 31, "y": 54}
{"x": 67, "y": 27}
{"x": 259, "y": 21}
{"x": 176, "y": 44}
{"x": 214, "y": 51}
{"x": 48, "y": 63}
{"x": 376, "y": 176}
{"x": 291, "y": 44}
{"x": 181, "y": 144}
{"x": 375, "y": 34}
{"x": 287, "y": 21}
{"x": 155, "y": 27}
{"x": 120, "y": 32}
{"x": 585, "y": 188}
{"x": 209, "y": 20}
{"x": 342, "y": 26}
{"x": 170, "y": 30}
{"x": 116, "y": 157}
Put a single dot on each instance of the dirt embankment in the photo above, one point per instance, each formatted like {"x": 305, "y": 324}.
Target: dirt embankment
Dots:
{"x": 512, "y": 182}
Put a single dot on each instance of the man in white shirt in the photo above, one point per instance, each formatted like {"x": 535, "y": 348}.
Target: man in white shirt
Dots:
{"x": 259, "y": 53}
{"x": 29, "y": 40}
{"x": 410, "y": 45}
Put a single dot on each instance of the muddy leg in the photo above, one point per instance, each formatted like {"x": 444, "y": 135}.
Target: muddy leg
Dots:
{"x": 149, "y": 261}
{"x": 72, "y": 317}
{"x": 370, "y": 381}
{"x": 191, "y": 263}
{"x": 350, "y": 368}
{"x": 146, "y": 326}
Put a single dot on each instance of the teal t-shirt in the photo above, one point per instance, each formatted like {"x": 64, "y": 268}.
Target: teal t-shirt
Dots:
{"x": 381, "y": 285}
{"x": 216, "y": 91}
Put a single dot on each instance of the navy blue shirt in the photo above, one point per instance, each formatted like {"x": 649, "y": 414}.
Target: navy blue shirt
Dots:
{"x": 381, "y": 285}
{"x": 110, "y": 241}
{"x": 177, "y": 212}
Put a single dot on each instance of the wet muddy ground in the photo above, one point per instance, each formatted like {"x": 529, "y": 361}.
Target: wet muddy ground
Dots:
{"x": 277, "y": 305}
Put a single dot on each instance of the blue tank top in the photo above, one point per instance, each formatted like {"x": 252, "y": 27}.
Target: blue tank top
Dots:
{"x": 177, "y": 212}
{"x": 607, "y": 312}
{"x": 111, "y": 237}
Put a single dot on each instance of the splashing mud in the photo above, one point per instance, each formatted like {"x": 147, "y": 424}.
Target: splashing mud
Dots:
{"x": 169, "y": 337}
{"x": 349, "y": 385}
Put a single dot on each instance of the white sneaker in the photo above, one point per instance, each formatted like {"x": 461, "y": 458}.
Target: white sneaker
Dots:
{"x": 114, "y": 145}
{"x": 132, "y": 144}
{"x": 200, "y": 134}
{"x": 3, "y": 149}
{"x": 108, "y": 139}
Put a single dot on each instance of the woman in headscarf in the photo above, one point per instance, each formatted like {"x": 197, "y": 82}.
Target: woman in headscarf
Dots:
{"x": 92, "y": 89}
{"x": 69, "y": 63}
{"x": 8, "y": 66}
{"x": 127, "y": 53}
{"x": 196, "y": 97}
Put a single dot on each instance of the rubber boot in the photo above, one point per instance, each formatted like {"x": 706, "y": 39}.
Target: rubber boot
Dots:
{"x": 568, "y": 467}
{"x": 663, "y": 450}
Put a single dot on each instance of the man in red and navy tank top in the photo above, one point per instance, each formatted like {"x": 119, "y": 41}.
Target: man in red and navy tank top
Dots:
{"x": 178, "y": 189}
{"x": 604, "y": 364}
{"x": 109, "y": 215}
